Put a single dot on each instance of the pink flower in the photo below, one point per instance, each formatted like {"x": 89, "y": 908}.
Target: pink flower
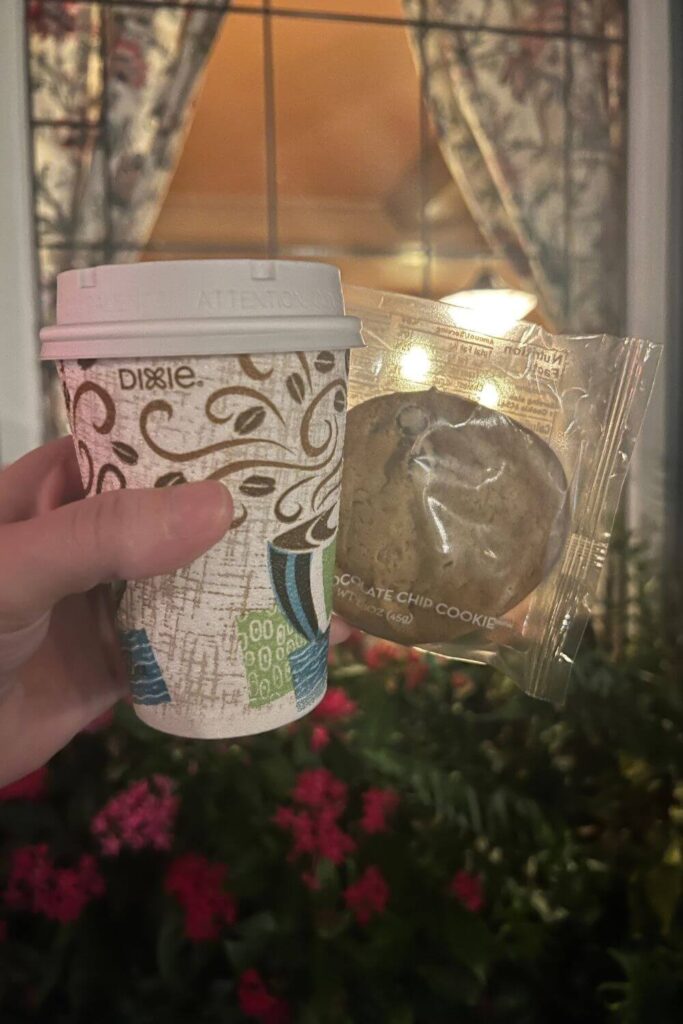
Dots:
{"x": 332, "y": 842}
{"x": 381, "y": 654}
{"x": 367, "y": 897}
{"x": 314, "y": 827}
{"x": 199, "y": 887}
{"x": 416, "y": 673}
{"x": 320, "y": 737}
{"x": 37, "y": 886}
{"x": 31, "y": 787}
{"x": 141, "y": 816}
{"x": 462, "y": 683}
{"x": 318, "y": 787}
{"x": 469, "y": 890}
{"x": 256, "y": 1001}
{"x": 315, "y": 833}
{"x": 300, "y": 825}
{"x": 378, "y": 804}
{"x": 335, "y": 704}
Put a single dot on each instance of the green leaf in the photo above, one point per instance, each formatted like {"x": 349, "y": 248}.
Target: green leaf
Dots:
{"x": 663, "y": 888}
{"x": 259, "y": 927}
{"x": 170, "y": 945}
{"x": 455, "y": 984}
{"x": 469, "y": 941}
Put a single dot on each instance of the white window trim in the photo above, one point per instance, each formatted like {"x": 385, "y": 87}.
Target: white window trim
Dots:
{"x": 20, "y": 402}
{"x": 649, "y": 190}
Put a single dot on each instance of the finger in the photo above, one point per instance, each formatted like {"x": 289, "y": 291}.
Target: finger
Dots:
{"x": 43, "y": 479}
{"x": 58, "y": 692}
{"x": 120, "y": 535}
{"x": 339, "y": 631}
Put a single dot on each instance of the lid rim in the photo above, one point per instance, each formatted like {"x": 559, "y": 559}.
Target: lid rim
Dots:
{"x": 199, "y": 325}
{"x": 190, "y": 339}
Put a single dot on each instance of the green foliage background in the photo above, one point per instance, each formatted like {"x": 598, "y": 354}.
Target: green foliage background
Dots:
{"x": 573, "y": 819}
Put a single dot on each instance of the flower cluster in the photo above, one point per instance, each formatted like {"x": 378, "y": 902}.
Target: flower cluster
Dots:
{"x": 199, "y": 887}
{"x": 335, "y": 708}
{"x": 314, "y": 825}
{"x": 335, "y": 704}
{"x": 382, "y": 653}
{"x": 469, "y": 890}
{"x": 416, "y": 673}
{"x": 257, "y": 1002}
{"x": 35, "y": 884}
{"x": 320, "y": 737}
{"x": 463, "y": 684}
{"x": 378, "y": 804}
{"x": 368, "y": 896}
{"x": 142, "y": 816}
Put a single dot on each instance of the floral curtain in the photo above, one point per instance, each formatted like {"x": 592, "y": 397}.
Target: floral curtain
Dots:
{"x": 112, "y": 91}
{"x": 528, "y": 99}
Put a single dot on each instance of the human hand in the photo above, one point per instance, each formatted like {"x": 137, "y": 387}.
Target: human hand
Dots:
{"x": 60, "y": 662}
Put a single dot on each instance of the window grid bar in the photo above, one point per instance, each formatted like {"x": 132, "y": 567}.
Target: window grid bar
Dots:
{"x": 270, "y": 111}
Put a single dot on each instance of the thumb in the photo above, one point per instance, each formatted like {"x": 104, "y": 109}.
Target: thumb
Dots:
{"x": 120, "y": 535}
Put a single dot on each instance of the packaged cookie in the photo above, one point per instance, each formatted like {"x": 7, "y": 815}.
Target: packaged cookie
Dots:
{"x": 481, "y": 479}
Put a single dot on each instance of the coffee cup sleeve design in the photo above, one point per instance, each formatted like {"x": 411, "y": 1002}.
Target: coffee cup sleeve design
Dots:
{"x": 302, "y": 584}
{"x": 147, "y": 683}
{"x": 238, "y": 640}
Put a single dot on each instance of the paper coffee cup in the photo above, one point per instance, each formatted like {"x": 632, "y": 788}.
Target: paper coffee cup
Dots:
{"x": 232, "y": 370}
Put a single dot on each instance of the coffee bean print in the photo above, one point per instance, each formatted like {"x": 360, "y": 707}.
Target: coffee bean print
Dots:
{"x": 339, "y": 400}
{"x": 324, "y": 362}
{"x": 85, "y": 364}
{"x": 296, "y": 387}
{"x": 257, "y": 486}
{"x": 125, "y": 453}
{"x": 171, "y": 479}
{"x": 250, "y": 420}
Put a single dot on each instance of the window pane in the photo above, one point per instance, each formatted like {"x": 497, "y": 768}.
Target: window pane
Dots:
{"x": 348, "y": 148}
{"x": 217, "y": 195}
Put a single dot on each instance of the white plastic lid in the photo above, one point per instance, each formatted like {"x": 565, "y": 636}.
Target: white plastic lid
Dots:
{"x": 198, "y": 307}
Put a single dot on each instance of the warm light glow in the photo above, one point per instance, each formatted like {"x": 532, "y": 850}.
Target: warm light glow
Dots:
{"x": 489, "y": 395}
{"x": 416, "y": 364}
{"x": 490, "y": 310}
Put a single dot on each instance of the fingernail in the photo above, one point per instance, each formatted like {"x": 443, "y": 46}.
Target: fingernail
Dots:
{"x": 200, "y": 508}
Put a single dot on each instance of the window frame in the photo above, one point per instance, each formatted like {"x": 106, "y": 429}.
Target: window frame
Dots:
{"x": 21, "y": 426}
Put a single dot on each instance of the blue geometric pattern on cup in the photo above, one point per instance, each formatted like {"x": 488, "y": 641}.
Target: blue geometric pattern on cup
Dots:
{"x": 297, "y": 581}
{"x": 147, "y": 682}
{"x": 309, "y": 671}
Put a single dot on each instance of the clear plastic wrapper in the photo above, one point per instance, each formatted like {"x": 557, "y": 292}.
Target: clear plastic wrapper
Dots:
{"x": 482, "y": 476}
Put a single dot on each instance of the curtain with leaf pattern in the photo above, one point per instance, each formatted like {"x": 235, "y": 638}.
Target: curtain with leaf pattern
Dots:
{"x": 528, "y": 99}
{"x": 112, "y": 90}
